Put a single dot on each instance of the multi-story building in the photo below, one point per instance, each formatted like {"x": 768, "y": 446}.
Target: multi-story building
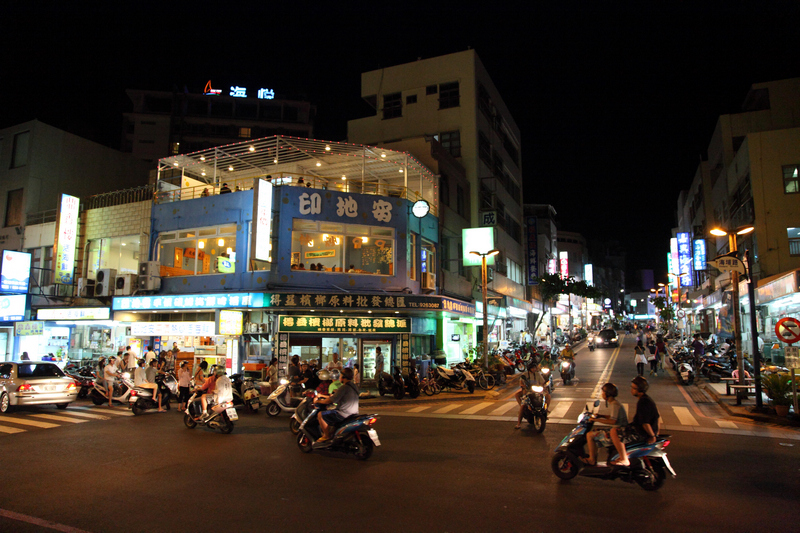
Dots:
{"x": 452, "y": 100}
{"x": 168, "y": 123}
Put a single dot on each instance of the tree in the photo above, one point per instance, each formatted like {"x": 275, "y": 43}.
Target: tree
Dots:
{"x": 550, "y": 286}
{"x": 665, "y": 308}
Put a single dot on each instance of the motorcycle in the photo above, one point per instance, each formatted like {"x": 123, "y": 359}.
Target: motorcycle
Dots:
{"x": 84, "y": 379}
{"x": 353, "y": 435}
{"x": 245, "y": 393}
{"x": 534, "y": 406}
{"x": 281, "y": 400}
{"x": 590, "y": 342}
{"x": 455, "y": 378}
{"x": 394, "y": 385}
{"x": 220, "y": 417}
{"x": 122, "y": 390}
{"x": 548, "y": 379}
{"x": 412, "y": 381}
{"x": 567, "y": 367}
{"x": 302, "y": 411}
{"x": 648, "y": 462}
{"x": 141, "y": 398}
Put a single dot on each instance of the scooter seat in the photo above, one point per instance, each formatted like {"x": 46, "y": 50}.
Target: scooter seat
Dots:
{"x": 347, "y": 420}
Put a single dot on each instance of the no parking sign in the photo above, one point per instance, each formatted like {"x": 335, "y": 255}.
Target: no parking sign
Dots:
{"x": 788, "y": 330}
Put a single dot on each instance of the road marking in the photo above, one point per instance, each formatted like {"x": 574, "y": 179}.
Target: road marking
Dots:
{"x": 26, "y": 422}
{"x": 561, "y": 410}
{"x": 475, "y": 408}
{"x": 605, "y": 377}
{"x": 40, "y": 522}
{"x": 87, "y": 415}
{"x": 419, "y": 409}
{"x": 61, "y": 418}
{"x": 119, "y": 411}
{"x": 448, "y": 408}
{"x": 726, "y": 424}
{"x": 8, "y": 429}
{"x": 684, "y": 416}
{"x": 503, "y": 409}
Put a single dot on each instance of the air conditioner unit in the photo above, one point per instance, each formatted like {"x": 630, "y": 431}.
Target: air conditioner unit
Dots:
{"x": 85, "y": 288}
{"x": 428, "y": 281}
{"x": 104, "y": 282}
{"x": 149, "y": 283}
{"x": 126, "y": 284}
{"x": 150, "y": 268}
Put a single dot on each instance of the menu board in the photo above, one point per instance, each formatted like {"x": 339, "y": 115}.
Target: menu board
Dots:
{"x": 230, "y": 322}
{"x": 153, "y": 329}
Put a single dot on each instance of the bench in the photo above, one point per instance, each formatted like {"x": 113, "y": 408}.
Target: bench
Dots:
{"x": 742, "y": 391}
{"x": 729, "y": 382}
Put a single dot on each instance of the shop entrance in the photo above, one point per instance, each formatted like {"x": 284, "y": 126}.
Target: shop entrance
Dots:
{"x": 378, "y": 356}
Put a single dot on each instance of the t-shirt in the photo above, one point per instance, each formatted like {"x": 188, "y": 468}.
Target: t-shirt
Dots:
{"x": 346, "y": 399}
{"x": 184, "y": 377}
{"x": 110, "y": 372}
{"x": 646, "y": 413}
{"x": 139, "y": 377}
{"x": 618, "y": 413}
{"x": 334, "y": 386}
{"x": 150, "y": 374}
{"x": 223, "y": 389}
{"x": 149, "y": 356}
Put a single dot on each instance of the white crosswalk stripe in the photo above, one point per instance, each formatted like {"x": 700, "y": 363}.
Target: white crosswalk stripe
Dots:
{"x": 503, "y": 409}
{"x": 28, "y": 422}
{"x": 475, "y": 408}
{"x": 62, "y": 418}
{"x": 447, "y": 408}
{"x": 8, "y": 429}
{"x": 684, "y": 416}
{"x": 54, "y": 419}
{"x": 560, "y": 410}
{"x": 420, "y": 409}
{"x": 726, "y": 424}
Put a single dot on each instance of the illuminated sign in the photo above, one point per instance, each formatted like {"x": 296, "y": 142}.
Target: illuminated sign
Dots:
{"x": 685, "y": 258}
{"x": 533, "y": 251}
{"x": 673, "y": 252}
{"x": 250, "y": 300}
{"x": 700, "y": 257}
{"x": 182, "y": 329}
{"x": 262, "y": 210}
{"x": 209, "y": 91}
{"x": 66, "y": 238}
{"x": 563, "y": 264}
{"x": 239, "y": 92}
{"x": 26, "y": 329}
{"x": 12, "y": 308}
{"x": 588, "y": 274}
{"x": 74, "y": 313}
{"x": 479, "y": 240}
{"x": 552, "y": 268}
{"x": 225, "y": 265}
{"x": 230, "y": 322}
{"x": 266, "y": 94}
{"x": 342, "y": 324}
{"x": 15, "y": 273}
{"x": 369, "y": 301}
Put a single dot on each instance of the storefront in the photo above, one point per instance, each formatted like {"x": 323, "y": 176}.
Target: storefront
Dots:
{"x": 777, "y": 297}
{"x": 12, "y": 309}
{"x": 64, "y": 334}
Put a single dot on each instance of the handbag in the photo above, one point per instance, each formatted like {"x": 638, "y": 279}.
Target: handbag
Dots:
{"x": 651, "y": 357}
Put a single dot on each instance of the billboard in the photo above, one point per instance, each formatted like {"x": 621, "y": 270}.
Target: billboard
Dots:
{"x": 12, "y": 308}
{"x": 262, "y": 220}
{"x": 15, "y": 272}
{"x": 479, "y": 240}
{"x": 700, "y": 255}
{"x": 685, "y": 259}
{"x": 563, "y": 264}
{"x": 66, "y": 239}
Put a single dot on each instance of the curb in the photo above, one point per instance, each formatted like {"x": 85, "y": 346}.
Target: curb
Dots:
{"x": 752, "y": 416}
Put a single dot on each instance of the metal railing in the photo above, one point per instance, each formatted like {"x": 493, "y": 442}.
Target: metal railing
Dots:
{"x": 127, "y": 196}
{"x": 42, "y": 217}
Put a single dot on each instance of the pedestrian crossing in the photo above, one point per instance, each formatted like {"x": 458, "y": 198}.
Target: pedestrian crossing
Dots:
{"x": 44, "y": 418}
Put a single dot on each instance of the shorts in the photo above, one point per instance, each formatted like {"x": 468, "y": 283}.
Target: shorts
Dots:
{"x": 184, "y": 393}
{"x": 630, "y": 434}
{"x": 603, "y": 438}
{"x": 332, "y": 417}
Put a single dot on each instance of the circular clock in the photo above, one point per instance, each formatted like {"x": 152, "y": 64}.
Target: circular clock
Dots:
{"x": 420, "y": 208}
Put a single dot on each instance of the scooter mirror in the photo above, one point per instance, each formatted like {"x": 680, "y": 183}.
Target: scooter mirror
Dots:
{"x": 597, "y": 403}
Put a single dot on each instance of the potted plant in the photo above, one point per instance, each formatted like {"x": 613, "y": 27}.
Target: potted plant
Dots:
{"x": 778, "y": 388}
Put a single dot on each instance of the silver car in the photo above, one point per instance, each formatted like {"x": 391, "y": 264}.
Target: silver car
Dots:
{"x": 34, "y": 383}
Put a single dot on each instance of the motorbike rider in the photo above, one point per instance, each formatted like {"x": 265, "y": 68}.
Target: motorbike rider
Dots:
{"x": 616, "y": 418}
{"x": 208, "y": 389}
{"x": 223, "y": 389}
{"x": 525, "y": 387}
{"x": 346, "y": 400}
{"x": 141, "y": 379}
{"x": 644, "y": 427}
{"x": 567, "y": 353}
{"x": 110, "y": 374}
{"x": 325, "y": 381}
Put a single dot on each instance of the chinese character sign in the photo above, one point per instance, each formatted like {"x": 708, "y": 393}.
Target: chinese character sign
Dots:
{"x": 66, "y": 239}
{"x": 685, "y": 259}
{"x": 700, "y": 257}
{"x": 340, "y": 324}
{"x": 533, "y": 251}
{"x": 262, "y": 212}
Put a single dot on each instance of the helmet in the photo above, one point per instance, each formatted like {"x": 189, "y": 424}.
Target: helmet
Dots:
{"x": 567, "y": 345}
{"x": 611, "y": 390}
{"x": 324, "y": 375}
{"x": 334, "y": 374}
{"x": 220, "y": 371}
{"x": 641, "y": 384}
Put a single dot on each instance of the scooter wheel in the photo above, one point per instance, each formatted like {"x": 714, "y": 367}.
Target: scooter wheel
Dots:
{"x": 273, "y": 409}
{"x": 399, "y": 392}
{"x": 137, "y": 408}
{"x": 539, "y": 422}
{"x": 471, "y": 386}
{"x": 653, "y": 477}
{"x": 304, "y": 443}
{"x": 98, "y": 400}
{"x": 189, "y": 421}
{"x": 563, "y": 466}
{"x": 714, "y": 378}
{"x": 294, "y": 426}
{"x": 364, "y": 449}
{"x": 413, "y": 392}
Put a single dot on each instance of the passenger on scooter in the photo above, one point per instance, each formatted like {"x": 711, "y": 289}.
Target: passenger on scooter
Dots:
{"x": 325, "y": 381}
{"x": 644, "y": 427}
{"x": 567, "y": 353}
{"x": 141, "y": 379}
{"x": 617, "y": 417}
{"x": 336, "y": 381}
{"x": 346, "y": 400}
{"x": 208, "y": 389}
{"x": 223, "y": 388}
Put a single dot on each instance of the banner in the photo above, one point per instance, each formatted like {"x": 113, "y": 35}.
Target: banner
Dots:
{"x": 66, "y": 239}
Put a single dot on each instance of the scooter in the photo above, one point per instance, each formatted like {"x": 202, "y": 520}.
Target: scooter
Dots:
{"x": 567, "y": 367}
{"x": 84, "y": 379}
{"x": 534, "y": 406}
{"x": 122, "y": 390}
{"x": 245, "y": 393}
{"x": 141, "y": 398}
{"x": 281, "y": 400}
{"x": 548, "y": 379}
{"x": 394, "y": 385}
{"x": 648, "y": 462}
{"x": 353, "y": 435}
{"x": 590, "y": 342}
{"x": 220, "y": 417}
{"x": 455, "y": 378}
{"x": 412, "y": 382}
{"x": 302, "y": 411}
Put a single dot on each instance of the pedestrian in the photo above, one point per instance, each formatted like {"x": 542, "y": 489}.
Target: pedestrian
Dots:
{"x": 149, "y": 356}
{"x": 25, "y": 357}
{"x": 169, "y": 357}
{"x": 200, "y": 375}
{"x": 184, "y": 381}
{"x": 110, "y": 374}
{"x": 378, "y": 363}
{"x": 272, "y": 374}
{"x": 356, "y": 375}
{"x": 651, "y": 356}
{"x": 661, "y": 352}
{"x": 639, "y": 357}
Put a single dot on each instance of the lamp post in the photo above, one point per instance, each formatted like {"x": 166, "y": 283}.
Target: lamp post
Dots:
{"x": 484, "y": 278}
{"x": 737, "y": 320}
{"x": 678, "y": 283}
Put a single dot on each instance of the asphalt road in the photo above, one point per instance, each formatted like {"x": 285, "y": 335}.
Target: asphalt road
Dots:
{"x": 150, "y": 473}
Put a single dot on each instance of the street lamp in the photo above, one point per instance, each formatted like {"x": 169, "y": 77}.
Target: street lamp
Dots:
{"x": 678, "y": 283}
{"x": 484, "y": 278}
{"x": 737, "y": 326}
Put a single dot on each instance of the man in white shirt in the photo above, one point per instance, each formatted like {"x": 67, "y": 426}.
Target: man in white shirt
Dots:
{"x": 110, "y": 374}
{"x": 149, "y": 356}
{"x": 147, "y": 380}
{"x": 334, "y": 364}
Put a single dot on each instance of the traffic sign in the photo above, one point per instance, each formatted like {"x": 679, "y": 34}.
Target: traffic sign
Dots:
{"x": 681, "y": 313}
{"x": 788, "y": 330}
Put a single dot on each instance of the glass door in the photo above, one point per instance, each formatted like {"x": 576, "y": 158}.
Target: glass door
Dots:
{"x": 377, "y": 356}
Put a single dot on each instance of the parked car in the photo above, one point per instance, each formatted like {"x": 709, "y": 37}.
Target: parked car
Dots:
{"x": 34, "y": 383}
{"x": 606, "y": 337}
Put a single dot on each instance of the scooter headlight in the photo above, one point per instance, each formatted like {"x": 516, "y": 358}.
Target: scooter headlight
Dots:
{"x": 545, "y": 371}
{"x": 537, "y": 388}
{"x": 565, "y": 365}
{"x": 284, "y": 381}
{"x": 126, "y": 375}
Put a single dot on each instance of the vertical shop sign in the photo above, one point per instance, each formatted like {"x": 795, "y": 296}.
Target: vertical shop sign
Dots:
{"x": 700, "y": 256}
{"x": 405, "y": 346}
{"x": 563, "y": 264}
{"x": 533, "y": 252}
{"x": 685, "y": 258}
{"x": 66, "y": 237}
{"x": 262, "y": 220}
{"x": 552, "y": 267}
{"x": 283, "y": 354}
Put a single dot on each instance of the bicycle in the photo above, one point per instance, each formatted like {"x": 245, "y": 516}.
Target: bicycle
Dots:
{"x": 484, "y": 381}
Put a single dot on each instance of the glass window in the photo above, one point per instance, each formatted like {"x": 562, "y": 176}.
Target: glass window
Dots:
{"x": 411, "y": 256}
{"x": 794, "y": 241}
{"x": 377, "y": 357}
{"x": 19, "y": 154}
{"x": 38, "y": 370}
{"x": 791, "y": 181}
{"x": 212, "y": 252}
{"x": 448, "y": 95}
{"x": 392, "y": 105}
{"x": 119, "y": 253}
{"x": 14, "y": 208}
{"x": 328, "y": 247}
{"x": 451, "y": 141}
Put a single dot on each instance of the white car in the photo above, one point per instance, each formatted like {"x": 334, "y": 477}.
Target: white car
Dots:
{"x": 34, "y": 383}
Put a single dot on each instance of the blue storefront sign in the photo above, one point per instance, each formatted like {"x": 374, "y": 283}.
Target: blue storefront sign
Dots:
{"x": 250, "y": 300}
{"x": 700, "y": 254}
{"x": 685, "y": 258}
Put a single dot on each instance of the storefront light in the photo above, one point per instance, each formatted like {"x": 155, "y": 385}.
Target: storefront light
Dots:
{"x": 201, "y": 244}
{"x": 221, "y": 242}
{"x": 365, "y": 240}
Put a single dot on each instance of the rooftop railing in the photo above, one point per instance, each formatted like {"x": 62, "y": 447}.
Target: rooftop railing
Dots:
{"x": 127, "y": 196}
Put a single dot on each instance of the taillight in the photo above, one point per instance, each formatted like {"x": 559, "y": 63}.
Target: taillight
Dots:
{"x": 72, "y": 386}
{"x": 134, "y": 393}
{"x": 666, "y": 443}
{"x": 26, "y": 387}
{"x": 372, "y": 420}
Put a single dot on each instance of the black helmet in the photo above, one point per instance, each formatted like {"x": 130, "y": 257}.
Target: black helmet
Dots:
{"x": 611, "y": 390}
{"x": 641, "y": 384}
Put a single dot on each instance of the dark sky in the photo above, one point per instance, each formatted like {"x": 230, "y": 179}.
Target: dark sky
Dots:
{"x": 616, "y": 101}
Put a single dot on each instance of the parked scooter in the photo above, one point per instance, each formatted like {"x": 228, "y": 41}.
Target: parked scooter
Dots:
{"x": 220, "y": 417}
{"x": 245, "y": 393}
{"x": 281, "y": 400}
{"x": 353, "y": 435}
{"x": 534, "y": 406}
{"x": 84, "y": 379}
{"x": 455, "y": 378}
{"x": 141, "y": 398}
{"x": 394, "y": 385}
{"x": 648, "y": 462}
{"x": 412, "y": 381}
{"x": 122, "y": 390}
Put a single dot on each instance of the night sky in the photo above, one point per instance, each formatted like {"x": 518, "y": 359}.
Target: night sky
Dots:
{"x": 616, "y": 101}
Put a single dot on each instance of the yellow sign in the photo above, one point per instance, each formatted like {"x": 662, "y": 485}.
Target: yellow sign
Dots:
{"x": 230, "y": 322}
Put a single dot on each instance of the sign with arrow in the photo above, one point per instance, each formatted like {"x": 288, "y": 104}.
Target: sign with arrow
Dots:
{"x": 728, "y": 263}
{"x": 788, "y": 330}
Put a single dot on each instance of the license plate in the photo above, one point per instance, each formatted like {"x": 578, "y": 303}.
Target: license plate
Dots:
{"x": 374, "y": 436}
{"x": 232, "y": 413}
{"x": 255, "y": 405}
{"x": 49, "y": 387}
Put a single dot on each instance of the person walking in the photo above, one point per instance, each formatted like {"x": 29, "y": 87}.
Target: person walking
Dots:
{"x": 184, "y": 381}
{"x": 661, "y": 353}
{"x": 110, "y": 374}
{"x": 639, "y": 358}
{"x": 271, "y": 374}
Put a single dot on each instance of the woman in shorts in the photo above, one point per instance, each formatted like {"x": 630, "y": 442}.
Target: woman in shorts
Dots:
{"x": 616, "y": 418}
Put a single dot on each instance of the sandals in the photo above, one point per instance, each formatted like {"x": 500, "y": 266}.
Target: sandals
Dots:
{"x": 618, "y": 462}
{"x": 585, "y": 460}
{"x": 517, "y": 426}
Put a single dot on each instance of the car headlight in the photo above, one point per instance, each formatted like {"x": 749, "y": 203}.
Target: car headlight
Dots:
{"x": 537, "y": 388}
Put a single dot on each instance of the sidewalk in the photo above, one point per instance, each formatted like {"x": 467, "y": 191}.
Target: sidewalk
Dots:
{"x": 717, "y": 392}
{"x": 462, "y": 395}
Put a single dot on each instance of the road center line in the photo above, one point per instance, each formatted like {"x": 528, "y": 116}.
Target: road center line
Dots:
{"x": 40, "y": 522}
{"x": 606, "y": 375}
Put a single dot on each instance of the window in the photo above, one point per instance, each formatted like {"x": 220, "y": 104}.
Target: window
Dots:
{"x": 14, "y": 208}
{"x": 333, "y": 247}
{"x": 244, "y": 133}
{"x": 791, "y": 182}
{"x": 118, "y": 253}
{"x": 514, "y": 271}
{"x": 198, "y": 251}
{"x": 411, "y": 99}
{"x": 794, "y": 241}
{"x": 411, "y": 256}
{"x": 484, "y": 148}
{"x": 270, "y": 112}
{"x": 451, "y": 141}
{"x": 175, "y": 148}
{"x": 427, "y": 257}
{"x": 392, "y": 105}
{"x": 448, "y": 95}
{"x": 19, "y": 154}
{"x": 460, "y": 203}
{"x": 38, "y": 370}
{"x": 431, "y": 89}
